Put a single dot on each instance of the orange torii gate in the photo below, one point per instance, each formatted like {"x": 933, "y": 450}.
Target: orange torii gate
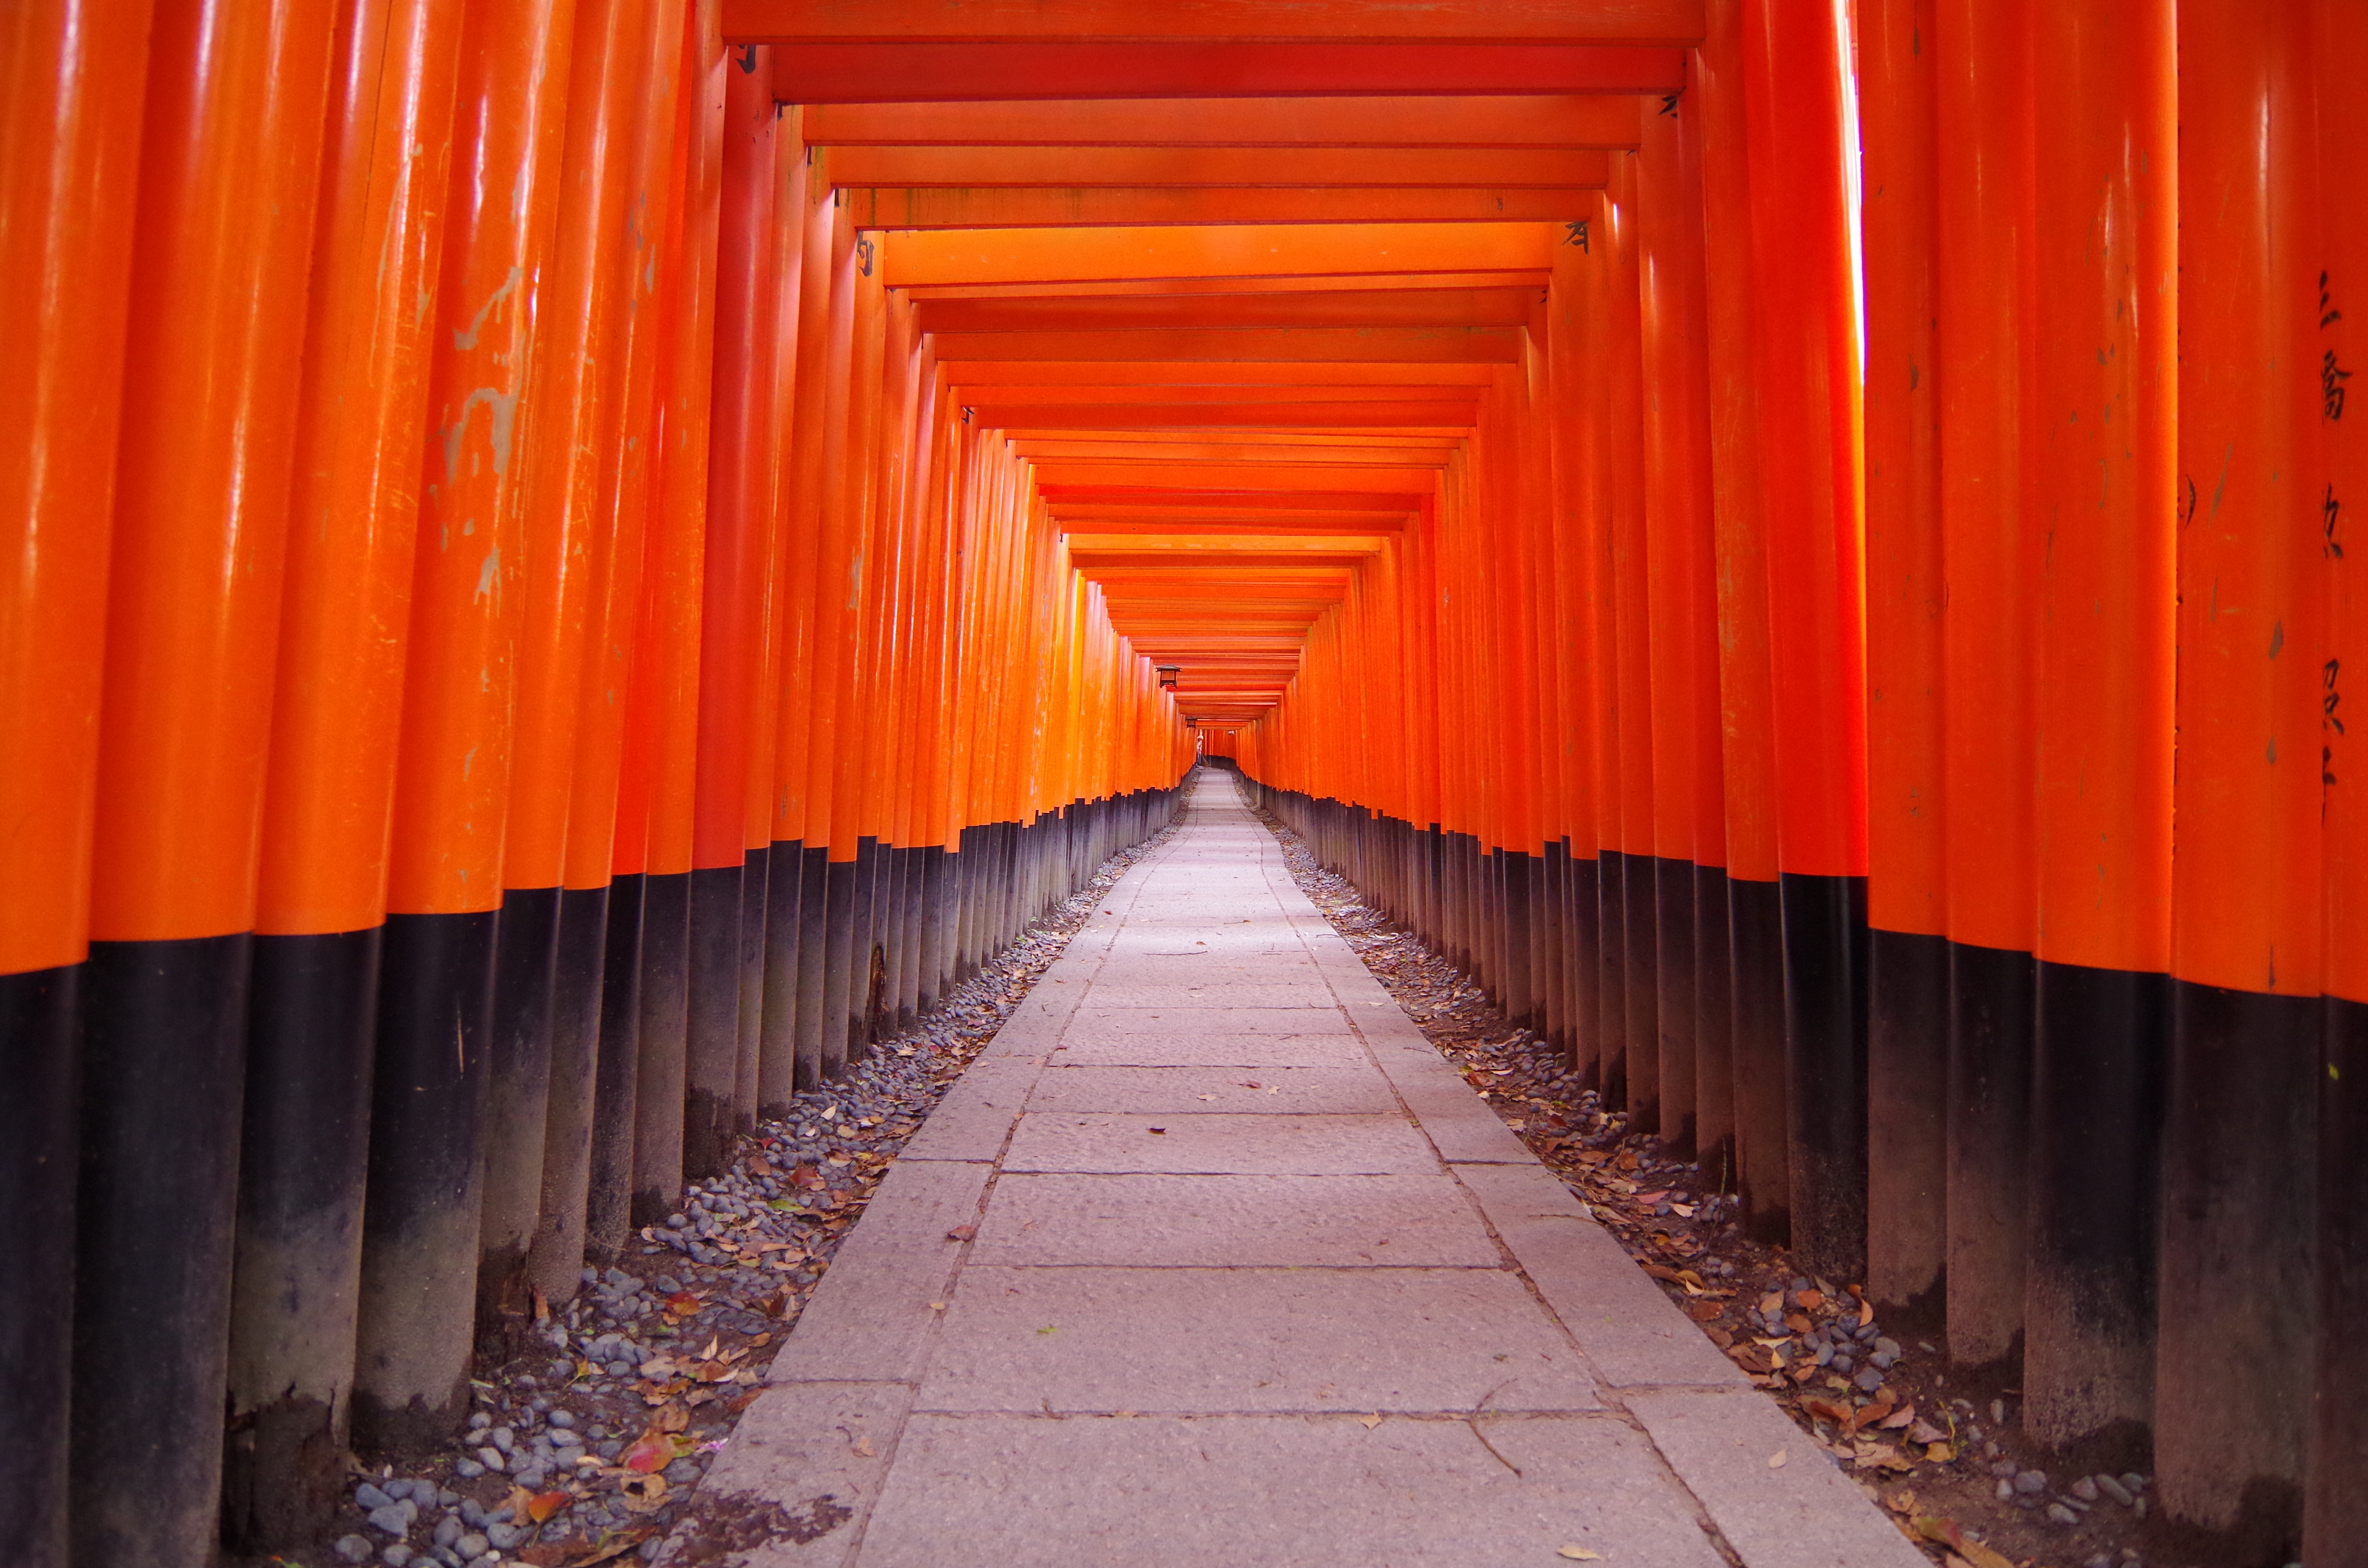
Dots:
{"x": 570, "y": 561}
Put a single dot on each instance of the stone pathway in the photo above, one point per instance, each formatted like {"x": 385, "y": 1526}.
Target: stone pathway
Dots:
{"x": 1211, "y": 1259}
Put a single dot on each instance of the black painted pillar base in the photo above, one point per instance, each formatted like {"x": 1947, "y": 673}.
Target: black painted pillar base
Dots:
{"x": 312, "y": 1030}
{"x": 665, "y": 1047}
{"x": 2335, "y": 1525}
{"x": 37, "y": 1058}
{"x": 1908, "y": 1119}
{"x": 1825, "y": 1041}
{"x": 1674, "y": 985}
{"x": 2240, "y": 1229}
{"x": 2099, "y": 1049}
{"x": 426, "y": 1198}
{"x": 616, "y": 1075}
{"x": 1755, "y": 927}
{"x": 556, "y": 1262}
{"x": 165, "y": 1045}
{"x": 1714, "y": 1032}
{"x": 711, "y": 1073}
{"x": 518, "y": 1098}
{"x": 1992, "y": 1012}
{"x": 814, "y": 882}
{"x": 756, "y": 899}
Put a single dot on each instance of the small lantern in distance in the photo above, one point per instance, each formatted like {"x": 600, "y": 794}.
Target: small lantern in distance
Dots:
{"x": 1167, "y": 674}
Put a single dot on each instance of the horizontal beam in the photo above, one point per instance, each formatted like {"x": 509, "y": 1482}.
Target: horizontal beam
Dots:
{"x": 1380, "y": 345}
{"x": 1122, "y": 168}
{"x": 1393, "y": 307}
{"x": 1562, "y": 121}
{"x": 1267, "y": 484}
{"x": 1248, "y": 250}
{"x": 1074, "y": 288}
{"x": 926, "y": 208}
{"x": 1675, "y": 22}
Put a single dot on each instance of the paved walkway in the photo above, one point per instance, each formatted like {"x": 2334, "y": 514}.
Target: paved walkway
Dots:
{"x": 1211, "y": 1259}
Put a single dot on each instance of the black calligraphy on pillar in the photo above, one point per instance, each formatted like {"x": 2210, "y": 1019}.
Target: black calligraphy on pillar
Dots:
{"x": 2331, "y": 512}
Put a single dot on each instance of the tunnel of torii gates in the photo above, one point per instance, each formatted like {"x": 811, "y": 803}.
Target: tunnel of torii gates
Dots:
{"x": 570, "y": 562}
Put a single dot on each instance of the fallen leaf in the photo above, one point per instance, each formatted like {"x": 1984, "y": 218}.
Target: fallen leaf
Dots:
{"x": 1903, "y": 1503}
{"x": 1580, "y": 1554}
{"x": 642, "y": 1493}
{"x": 1370, "y": 1422}
{"x": 682, "y": 1304}
{"x": 1776, "y": 1461}
{"x": 1941, "y": 1453}
{"x": 1901, "y": 1417}
{"x": 648, "y": 1455}
{"x": 1702, "y": 1312}
{"x": 862, "y": 1449}
{"x": 962, "y": 1232}
{"x": 1809, "y": 1299}
{"x": 540, "y": 1508}
{"x": 612, "y": 1546}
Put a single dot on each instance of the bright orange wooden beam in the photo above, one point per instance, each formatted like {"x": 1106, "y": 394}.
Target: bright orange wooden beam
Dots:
{"x": 1673, "y": 22}
{"x": 1567, "y": 120}
{"x": 1251, "y": 250}
{"x": 1455, "y": 168}
{"x": 1395, "y": 307}
{"x": 1385, "y": 344}
{"x": 924, "y": 207}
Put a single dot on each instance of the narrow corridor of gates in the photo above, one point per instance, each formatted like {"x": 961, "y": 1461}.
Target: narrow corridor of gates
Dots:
{"x": 567, "y": 565}
{"x": 1212, "y": 1258}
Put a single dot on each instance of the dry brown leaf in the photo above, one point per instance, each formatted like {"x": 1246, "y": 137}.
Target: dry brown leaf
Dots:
{"x": 1579, "y": 1554}
{"x": 861, "y": 1448}
{"x": 542, "y": 1506}
{"x": 962, "y": 1232}
{"x": 613, "y": 1547}
{"x": 1776, "y": 1461}
{"x": 642, "y": 1493}
{"x": 1370, "y": 1422}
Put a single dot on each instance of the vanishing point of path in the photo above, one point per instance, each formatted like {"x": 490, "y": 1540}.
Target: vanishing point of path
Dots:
{"x": 1211, "y": 1259}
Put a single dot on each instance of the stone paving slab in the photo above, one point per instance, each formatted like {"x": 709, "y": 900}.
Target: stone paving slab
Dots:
{"x": 1265, "y": 1142}
{"x": 1334, "y": 1314}
{"x": 1308, "y": 1339}
{"x": 1205, "y": 1222}
{"x": 1301, "y": 1090}
{"x": 1277, "y": 1491}
{"x": 1214, "y": 1020}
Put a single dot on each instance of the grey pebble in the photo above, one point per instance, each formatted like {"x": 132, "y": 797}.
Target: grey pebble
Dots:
{"x": 448, "y": 1531}
{"x": 2032, "y": 1481}
{"x": 2085, "y": 1489}
{"x": 392, "y": 1519}
{"x": 562, "y": 1418}
{"x": 504, "y": 1536}
{"x": 353, "y": 1548}
{"x": 2005, "y": 1491}
{"x": 368, "y": 1497}
{"x": 395, "y": 1555}
{"x": 503, "y": 1439}
{"x": 468, "y": 1470}
{"x": 2061, "y": 1515}
{"x": 472, "y": 1546}
{"x": 2111, "y": 1487}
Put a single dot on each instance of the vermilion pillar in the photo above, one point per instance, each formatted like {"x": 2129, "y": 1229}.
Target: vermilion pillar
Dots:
{"x": 1755, "y": 921}
{"x": 1907, "y": 955}
{"x": 2104, "y": 391}
{"x": 230, "y": 165}
{"x": 71, "y": 81}
{"x": 1991, "y": 551}
{"x": 2257, "y": 393}
{"x": 329, "y": 789}
{"x": 2335, "y": 1519}
{"x": 453, "y": 766}
{"x": 1804, "y": 357}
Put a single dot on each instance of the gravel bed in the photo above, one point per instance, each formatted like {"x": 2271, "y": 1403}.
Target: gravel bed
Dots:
{"x": 589, "y": 1449}
{"x": 1951, "y": 1465}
